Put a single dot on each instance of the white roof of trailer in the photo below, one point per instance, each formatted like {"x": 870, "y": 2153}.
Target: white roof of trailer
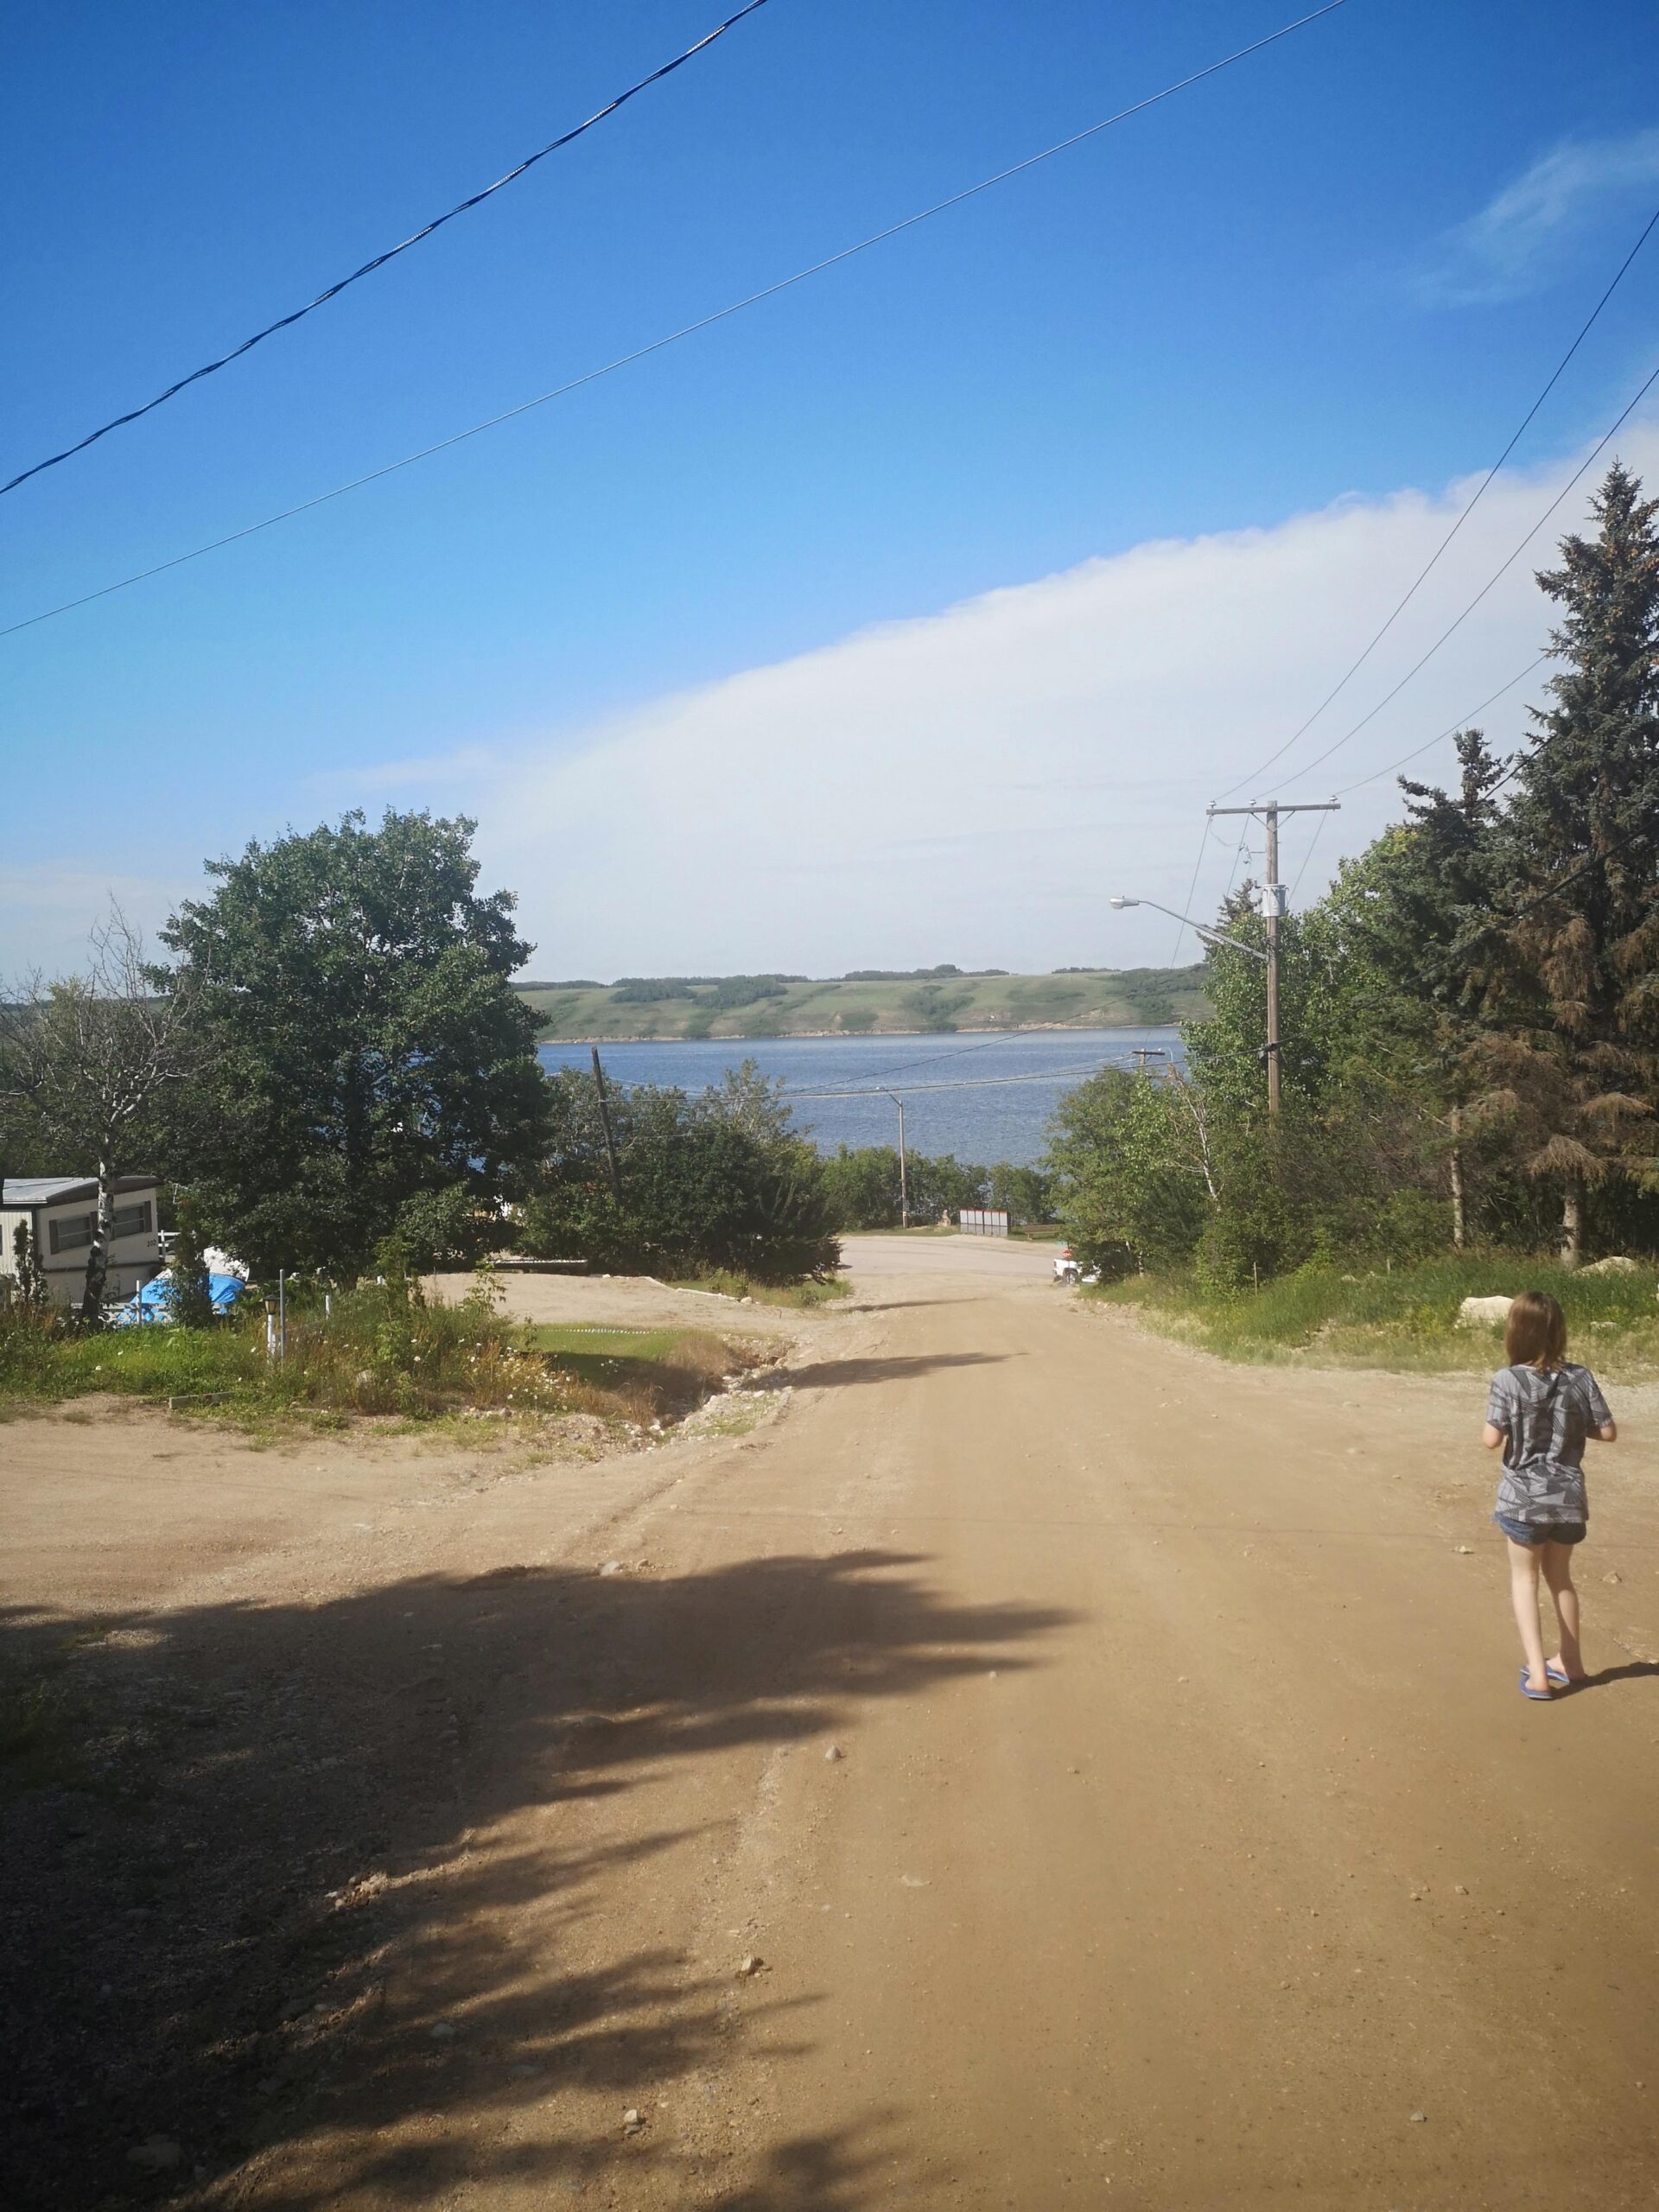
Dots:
{"x": 48, "y": 1190}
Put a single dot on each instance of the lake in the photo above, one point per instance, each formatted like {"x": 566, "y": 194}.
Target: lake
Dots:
{"x": 985, "y": 1098}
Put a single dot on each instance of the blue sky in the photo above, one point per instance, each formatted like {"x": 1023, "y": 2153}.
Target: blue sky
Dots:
{"x": 1333, "y": 274}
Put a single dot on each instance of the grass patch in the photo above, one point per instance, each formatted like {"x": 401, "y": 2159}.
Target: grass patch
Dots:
{"x": 385, "y": 1351}
{"x": 1404, "y": 1317}
{"x": 653, "y": 1375}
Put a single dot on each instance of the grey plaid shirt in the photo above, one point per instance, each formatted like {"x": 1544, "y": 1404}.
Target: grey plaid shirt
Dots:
{"x": 1546, "y": 1417}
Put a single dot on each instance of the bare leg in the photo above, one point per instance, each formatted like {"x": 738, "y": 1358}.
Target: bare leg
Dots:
{"x": 1523, "y": 1595}
{"x": 1557, "y": 1565}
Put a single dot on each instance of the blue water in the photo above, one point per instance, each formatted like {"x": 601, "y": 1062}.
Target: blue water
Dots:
{"x": 1003, "y": 1121}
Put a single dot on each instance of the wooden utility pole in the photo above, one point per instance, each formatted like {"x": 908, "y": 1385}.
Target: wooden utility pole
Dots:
{"x": 605, "y": 1123}
{"x": 1273, "y": 911}
{"x": 904, "y": 1180}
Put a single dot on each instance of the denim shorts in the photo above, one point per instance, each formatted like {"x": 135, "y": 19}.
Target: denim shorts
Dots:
{"x": 1540, "y": 1532}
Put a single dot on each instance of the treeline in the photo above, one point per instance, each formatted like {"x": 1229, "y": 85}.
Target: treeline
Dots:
{"x": 326, "y": 1060}
{"x": 1469, "y": 1018}
{"x": 866, "y": 1190}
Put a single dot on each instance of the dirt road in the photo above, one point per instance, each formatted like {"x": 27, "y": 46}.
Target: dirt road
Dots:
{"x": 1040, "y": 1766}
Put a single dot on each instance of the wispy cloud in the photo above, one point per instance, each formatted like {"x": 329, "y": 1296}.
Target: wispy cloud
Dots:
{"x": 396, "y": 777}
{"x": 1521, "y": 239}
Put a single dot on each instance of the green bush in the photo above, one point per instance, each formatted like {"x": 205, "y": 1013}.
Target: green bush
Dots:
{"x": 717, "y": 1181}
{"x": 1130, "y": 1192}
{"x": 383, "y": 1348}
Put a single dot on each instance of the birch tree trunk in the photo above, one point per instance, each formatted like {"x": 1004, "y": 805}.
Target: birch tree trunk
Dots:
{"x": 1573, "y": 1222}
{"x": 98, "y": 1256}
{"x": 1460, "y": 1200}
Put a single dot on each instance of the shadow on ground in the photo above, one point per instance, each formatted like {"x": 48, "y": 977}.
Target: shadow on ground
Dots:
{"x": 834, "y": 1374}
{"x": 245, "y": 1911}
{"x": 1636, "y": 1670}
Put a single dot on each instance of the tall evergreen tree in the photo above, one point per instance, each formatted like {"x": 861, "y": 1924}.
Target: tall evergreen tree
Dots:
{"x": 1578, "y": 1055}
{"x": 1408, "y": 904}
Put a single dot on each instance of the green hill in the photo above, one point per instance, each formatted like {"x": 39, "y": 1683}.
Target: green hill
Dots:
{"x": 867, "y": 1003}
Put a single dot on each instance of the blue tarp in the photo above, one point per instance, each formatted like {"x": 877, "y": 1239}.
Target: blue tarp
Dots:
{"x": 153, "y": 1302}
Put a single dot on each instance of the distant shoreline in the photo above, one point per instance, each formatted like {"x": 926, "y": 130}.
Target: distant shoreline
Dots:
{"x": 934, "y": 1002}
{"x": 864, "y": 1036}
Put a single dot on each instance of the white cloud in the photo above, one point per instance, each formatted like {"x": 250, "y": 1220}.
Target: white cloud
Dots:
{"x": 972, "y": 786}
{"x": 1520, "y": 241}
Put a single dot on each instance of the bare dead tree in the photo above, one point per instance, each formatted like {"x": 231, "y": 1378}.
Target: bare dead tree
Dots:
{"x": 86, "y": 1061}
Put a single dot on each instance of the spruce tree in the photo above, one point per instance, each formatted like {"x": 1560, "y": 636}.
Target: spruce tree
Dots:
{"x": 1408, "y": 904}
{"x": 1580, "y": 1056}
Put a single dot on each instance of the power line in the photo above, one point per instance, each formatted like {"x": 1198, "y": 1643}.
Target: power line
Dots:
{"x": 686, "y": 330}
{"x": 1590, "y": 860}
{"x": 1555, "y": 375}
{"x": 1308, "y": 766}
{"x": 902, "y": 1067}
{"x": 1241, "y": 852}
{"x": 964, "y": 1083}
{"x": 1317, "y": 829}
{"x": 1192, "y": 888}
{"x": 1451, "y": 730}
{"x": 379, "y": 260}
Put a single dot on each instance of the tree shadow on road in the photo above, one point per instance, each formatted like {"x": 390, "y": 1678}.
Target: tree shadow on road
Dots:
{"x": 306, "y": 1890}
{"x": 831, "y": 2172}
{"x": 833, "y": 1374}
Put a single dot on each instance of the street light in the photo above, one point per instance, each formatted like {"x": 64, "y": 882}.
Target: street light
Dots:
{"x": 1269, "y": 960}
{"x": 1201, "y": 929}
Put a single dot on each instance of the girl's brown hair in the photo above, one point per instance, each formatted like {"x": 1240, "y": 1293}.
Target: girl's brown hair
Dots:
{"x": 1534, "y": 1332}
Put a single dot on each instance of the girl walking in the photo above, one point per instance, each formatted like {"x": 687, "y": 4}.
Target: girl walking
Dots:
{"x": 1543, "y": 1410}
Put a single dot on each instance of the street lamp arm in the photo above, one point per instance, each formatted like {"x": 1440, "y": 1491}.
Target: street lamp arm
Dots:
{"x": 1202, "y": 929}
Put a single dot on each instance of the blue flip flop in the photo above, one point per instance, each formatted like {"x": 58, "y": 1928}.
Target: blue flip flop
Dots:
{"x": 1558, "y": 1674}
{"x": 1538, "y": 1697}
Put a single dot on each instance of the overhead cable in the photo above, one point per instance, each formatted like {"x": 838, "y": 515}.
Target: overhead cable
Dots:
{"x": 686, "y": 330}
{"x": 1355, "y": 666}
{"x": 1451, "y": 730}
{"x": 963, "y": 1083}
{"x": 1590, "y": 860}
{"x": 1192, "y": 888}
{"x": 902, "y": 1067}
{"x": 1503, "y": 567}
{"x": 1307, "y": 856}
{"x": 379, "y": 260}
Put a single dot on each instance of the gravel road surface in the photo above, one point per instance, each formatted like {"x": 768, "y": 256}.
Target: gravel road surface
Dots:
{"x": 1025, "y": 1765}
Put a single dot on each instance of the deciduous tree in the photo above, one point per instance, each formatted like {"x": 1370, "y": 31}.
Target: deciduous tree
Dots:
{"x": 372, "y": 1072}
{"x": 89, "y": 1065}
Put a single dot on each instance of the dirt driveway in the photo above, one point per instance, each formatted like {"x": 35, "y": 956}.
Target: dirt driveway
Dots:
{"x": 1032, "y": 1765}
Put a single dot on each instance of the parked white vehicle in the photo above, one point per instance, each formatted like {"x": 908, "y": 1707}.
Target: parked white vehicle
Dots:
{"x": 1066, "y": 1268}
